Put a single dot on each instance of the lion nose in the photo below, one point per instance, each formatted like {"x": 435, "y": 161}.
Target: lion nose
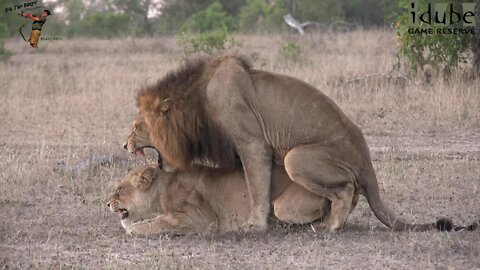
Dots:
{"x": 125, "y": 146}
{"x": 108, "y": 204}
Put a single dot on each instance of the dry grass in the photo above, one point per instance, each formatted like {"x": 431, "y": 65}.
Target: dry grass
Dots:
{"x": 74, "y": 99}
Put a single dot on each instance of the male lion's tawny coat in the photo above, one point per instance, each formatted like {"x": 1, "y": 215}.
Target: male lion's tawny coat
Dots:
{"x": 212, "y": 110}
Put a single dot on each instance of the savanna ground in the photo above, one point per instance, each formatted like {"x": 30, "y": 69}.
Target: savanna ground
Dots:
{"x": 73, "y": 100}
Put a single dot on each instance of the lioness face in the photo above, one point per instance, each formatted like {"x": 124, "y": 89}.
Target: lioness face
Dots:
{"x": 139, "y": 138}
{"x": 135, "y": 198}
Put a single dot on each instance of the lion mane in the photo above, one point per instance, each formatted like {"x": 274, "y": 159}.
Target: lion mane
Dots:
{"x": 174, "y": 109}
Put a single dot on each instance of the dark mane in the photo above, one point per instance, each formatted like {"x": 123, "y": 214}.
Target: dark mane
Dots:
{"x": 186, "y": 134}
{"x": 182, "y": 81}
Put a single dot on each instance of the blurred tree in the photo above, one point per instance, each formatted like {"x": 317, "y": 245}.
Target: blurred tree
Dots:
{"x": 174, "y": 13}
{"x": 252, "y": 15}
{"x": 391, "y": 11}
{"x": 139, "y": 11}
{"x": 102, "y": 25}
{"x": 232, "y": 7}
{"x": 274, "y": 17}
{"x": 75, "y": 9}
{"x": 258, "y": 15}
{"x": 268, "y": 15}
{"x": 325, "y": 11}
{"x": 365, "y": 12}
{"x": 211, "y": 18}
{"x": 73, "y": 16}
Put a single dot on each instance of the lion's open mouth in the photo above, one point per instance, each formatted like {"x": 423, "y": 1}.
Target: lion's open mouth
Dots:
{"x": 139, "y": 152}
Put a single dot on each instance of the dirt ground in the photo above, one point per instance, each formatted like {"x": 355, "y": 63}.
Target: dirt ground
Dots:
{"x": 74, "y": 100}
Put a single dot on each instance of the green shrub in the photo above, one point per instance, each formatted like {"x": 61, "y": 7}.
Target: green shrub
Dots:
{"x": 366, "y": 12}
{"x": 252, "y": 15}
{"x": 211, "y": 42}
{"x": 441, "y": 51}
{"x": 210, "y": 19}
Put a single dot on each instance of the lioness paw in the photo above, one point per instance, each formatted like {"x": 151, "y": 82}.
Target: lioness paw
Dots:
{"x": 253, "y": 228}
{"x": 325, "y": 227}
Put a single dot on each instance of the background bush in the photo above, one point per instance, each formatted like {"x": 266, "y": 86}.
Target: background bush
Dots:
{"x": 211, "y": 42}
{"x": 442, "y": 52}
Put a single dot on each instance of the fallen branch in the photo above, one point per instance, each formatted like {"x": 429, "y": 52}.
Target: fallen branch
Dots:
{"x": 385, "y": 75}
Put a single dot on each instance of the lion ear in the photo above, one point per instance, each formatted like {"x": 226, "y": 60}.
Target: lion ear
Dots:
{"x": 145, "y": 178}
{"x": 162, "y": 106}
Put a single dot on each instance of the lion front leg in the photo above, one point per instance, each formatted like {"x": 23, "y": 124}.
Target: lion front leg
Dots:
{"x": 159, "y": 225}
{"x": 257, "y": 165}
{"x": 242, "y": 124}
{"x": 175, "y": 223}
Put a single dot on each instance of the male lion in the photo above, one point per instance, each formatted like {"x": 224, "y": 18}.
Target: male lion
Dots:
{"x": 204, "y": 200}
{"x": 214, "y": 109}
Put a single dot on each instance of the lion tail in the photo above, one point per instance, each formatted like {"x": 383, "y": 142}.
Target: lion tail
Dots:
{"x": 391, "y": 220}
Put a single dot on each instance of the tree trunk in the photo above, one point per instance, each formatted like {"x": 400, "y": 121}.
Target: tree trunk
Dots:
{"x": 476, "y": 41}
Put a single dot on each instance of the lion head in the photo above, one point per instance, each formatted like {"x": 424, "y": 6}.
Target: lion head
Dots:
{"x": 180, "y": 128}
{"x": 139, "y": 138}
{"x": 136, "y": 196}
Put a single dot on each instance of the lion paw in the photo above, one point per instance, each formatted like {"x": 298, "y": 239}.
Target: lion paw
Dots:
{"x": 325, "y": 228}
{"x": 251, "y": 228}
{"x": 257, "y": 225}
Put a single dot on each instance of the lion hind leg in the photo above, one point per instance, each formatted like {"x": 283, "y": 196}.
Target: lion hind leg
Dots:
{"x": 341, "y": 208}
{"x": 313, "y": 168}
{"x": 300, "y": 206}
